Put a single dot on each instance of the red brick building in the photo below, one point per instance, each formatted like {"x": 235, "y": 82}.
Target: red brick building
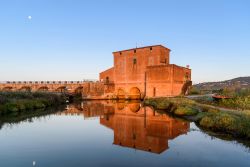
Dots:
{"x": 145, "y": 72}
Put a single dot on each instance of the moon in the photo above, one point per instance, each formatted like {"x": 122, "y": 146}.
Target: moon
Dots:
{"x": 29, "y": 17}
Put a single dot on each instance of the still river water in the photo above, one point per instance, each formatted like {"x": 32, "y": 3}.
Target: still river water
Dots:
{"x": 105, "y": 133}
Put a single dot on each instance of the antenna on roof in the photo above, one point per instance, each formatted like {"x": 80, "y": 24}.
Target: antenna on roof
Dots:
{"x": 136, "y": 45}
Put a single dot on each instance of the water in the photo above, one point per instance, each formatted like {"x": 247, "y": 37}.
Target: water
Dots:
{"x": 100, "y": 133}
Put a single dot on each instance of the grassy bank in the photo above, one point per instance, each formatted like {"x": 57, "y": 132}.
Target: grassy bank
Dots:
{"x": 12, "y": 103}
{"x": 235, "y": 123}
{"x": 237, "y": 102}
{"x": 239, "y": 99}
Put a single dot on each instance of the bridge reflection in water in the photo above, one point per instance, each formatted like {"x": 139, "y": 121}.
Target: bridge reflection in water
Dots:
{"x": 134, "y": 126}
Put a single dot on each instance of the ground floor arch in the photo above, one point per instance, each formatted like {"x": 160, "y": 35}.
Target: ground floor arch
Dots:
{"x": 134, "y": 93}
{"x": 120, "y": 93}
{"x": 134, "y": 107}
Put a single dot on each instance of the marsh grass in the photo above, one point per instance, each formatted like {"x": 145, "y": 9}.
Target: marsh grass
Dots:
{"x": 235, "y": 123}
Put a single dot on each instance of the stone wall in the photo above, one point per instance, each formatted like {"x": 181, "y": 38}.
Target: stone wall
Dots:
{"x": 107, "y": 75}
{"x": 166, "y": 80}
{"x": 93, "y": 89}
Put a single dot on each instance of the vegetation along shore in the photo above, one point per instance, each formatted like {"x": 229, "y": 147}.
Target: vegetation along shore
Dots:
{"x": 233, "y": 122}
{"x": 13, "y": 103}
{"x": 237, "y": 99}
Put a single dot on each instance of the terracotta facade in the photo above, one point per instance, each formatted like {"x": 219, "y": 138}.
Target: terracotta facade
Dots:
{"x": 146, "y": 72}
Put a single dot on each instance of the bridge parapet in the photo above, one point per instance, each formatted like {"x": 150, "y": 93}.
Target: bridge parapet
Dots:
{"x": 47, "y": 82}
{"x": 86, "y": 87}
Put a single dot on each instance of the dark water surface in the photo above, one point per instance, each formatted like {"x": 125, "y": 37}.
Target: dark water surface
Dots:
{"x": 100, "y": 133}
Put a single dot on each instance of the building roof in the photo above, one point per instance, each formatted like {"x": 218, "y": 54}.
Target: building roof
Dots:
{"x": 142, "y": 48}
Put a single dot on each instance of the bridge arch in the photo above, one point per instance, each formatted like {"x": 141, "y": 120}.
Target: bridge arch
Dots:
{"x": 7, "y": 88}
{"x": 25, "y": 89}
{"x": 43, "y": 89}
{"x": 134, "y": 93}
{"x": 61, "y": 89}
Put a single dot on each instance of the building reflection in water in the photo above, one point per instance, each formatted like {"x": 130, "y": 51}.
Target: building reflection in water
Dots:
{"x": 134, "y": 126}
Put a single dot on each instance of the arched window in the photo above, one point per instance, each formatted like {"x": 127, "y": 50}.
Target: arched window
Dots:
{"x": 107, "y": 80}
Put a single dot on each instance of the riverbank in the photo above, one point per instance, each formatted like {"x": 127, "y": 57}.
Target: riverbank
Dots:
{"x": 237, "y": 99}
{"x": 236, "y": 103}
{"x": 235, "y": 123}
{"x": 13, "y": 103}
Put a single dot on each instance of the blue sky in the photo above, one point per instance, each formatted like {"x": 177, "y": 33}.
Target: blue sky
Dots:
{"x": 74, "y": 39}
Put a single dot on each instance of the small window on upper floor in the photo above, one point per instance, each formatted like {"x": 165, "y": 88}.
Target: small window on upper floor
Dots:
{"x": 120, "y": 53}
{"x": 151, "y": 49}
{"x": 135, "y": 51}
{"x": 134, "y": 61}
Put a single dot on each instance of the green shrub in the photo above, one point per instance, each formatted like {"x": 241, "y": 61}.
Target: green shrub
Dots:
{"x": 225, "y": 122}
{"x": 12, "y": 107}
{"x": 207, "y": 122}
{"x": 28, "y": 104}
{"x": 231, "y": 123}
{"x": 39, "y": 105}
{"x": 185, "y": 111}
{"x": 21, "y": 106}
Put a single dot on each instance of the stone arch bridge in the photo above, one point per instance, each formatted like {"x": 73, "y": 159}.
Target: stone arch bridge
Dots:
{"x": 69, "y": 87}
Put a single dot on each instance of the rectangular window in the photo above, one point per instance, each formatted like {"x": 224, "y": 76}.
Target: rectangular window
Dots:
{"x": 134, "y": 61}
